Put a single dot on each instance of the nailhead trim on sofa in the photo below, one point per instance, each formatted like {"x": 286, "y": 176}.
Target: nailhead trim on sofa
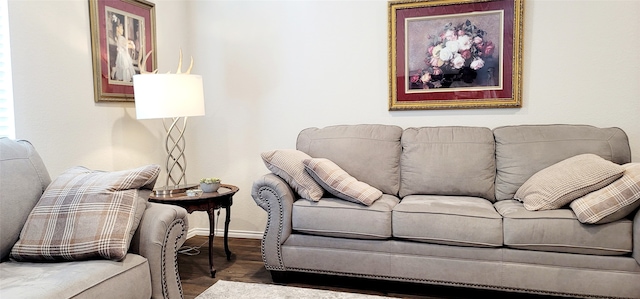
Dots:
{"x": 269, "y": 227}
{"x": 448, "y": 283}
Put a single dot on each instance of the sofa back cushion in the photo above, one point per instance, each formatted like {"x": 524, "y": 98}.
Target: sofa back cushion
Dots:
{"x": 23, "y": 179}
{"x": 522, "y": 151}
{"x": 369, "y": 153}
{"x": 457, "y": 161}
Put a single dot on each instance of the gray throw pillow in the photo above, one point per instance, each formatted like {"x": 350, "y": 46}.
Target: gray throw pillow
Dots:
{"x": 561, "y": 183}
{"x": 85, "y": 214}
{"x": 339, "y": 183}
{"x": 612, "y": 202}
{"x": 287, "y": 164}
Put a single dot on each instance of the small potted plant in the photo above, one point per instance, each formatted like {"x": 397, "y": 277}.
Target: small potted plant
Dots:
{"x": 209, "y": 184}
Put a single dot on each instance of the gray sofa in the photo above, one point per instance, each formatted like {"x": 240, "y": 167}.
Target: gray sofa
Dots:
{"x": 447, "y": 214}
{"x": 149, "y": 270}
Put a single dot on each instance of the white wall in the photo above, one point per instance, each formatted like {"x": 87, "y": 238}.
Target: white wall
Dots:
{"x": 272, "y": 68}
{"x": 53, "y": 89}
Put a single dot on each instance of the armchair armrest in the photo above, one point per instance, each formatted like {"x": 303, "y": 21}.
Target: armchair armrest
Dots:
{"x": 275, "y": 196}
{"x": 162, "y": 231}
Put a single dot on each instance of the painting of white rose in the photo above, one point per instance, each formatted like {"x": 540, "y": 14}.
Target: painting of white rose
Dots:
{"x": 457, "y": 51}
{"x": 452, "y": 54}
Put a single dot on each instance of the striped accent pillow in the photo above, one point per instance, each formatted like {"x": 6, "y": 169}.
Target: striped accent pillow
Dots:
{"x": 85, "y": 214}
{"x": 612, "y": 202}
{"x": 561, "y": 183}
{"x": 339, "y": 183}
{"x": 287, "y": 164}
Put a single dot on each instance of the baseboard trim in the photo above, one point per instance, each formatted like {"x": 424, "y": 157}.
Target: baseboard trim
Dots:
{"x": 198, "y": 231}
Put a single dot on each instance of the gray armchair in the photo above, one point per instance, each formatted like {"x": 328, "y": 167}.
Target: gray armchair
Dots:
{"x": 149, "y": 269}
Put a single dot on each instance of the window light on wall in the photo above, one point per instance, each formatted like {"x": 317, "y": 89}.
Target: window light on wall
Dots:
{"x": 7, "y": 123}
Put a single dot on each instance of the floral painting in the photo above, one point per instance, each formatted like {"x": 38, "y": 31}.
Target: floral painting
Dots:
{"x": 455, "y": 54}
{"x": 451, "y": 52}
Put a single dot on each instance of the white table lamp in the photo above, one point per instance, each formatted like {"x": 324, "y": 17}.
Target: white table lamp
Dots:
{"x": 171, "y": 97}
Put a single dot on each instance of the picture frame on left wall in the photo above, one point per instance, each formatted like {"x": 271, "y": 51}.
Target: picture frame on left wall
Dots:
{"x": 122, "y": 33}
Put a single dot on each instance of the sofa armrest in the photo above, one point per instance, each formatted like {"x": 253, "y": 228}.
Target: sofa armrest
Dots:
{"x": 275, "y": 196}
{"x": 162, "y": 231}
{"x": 636, "y": 236}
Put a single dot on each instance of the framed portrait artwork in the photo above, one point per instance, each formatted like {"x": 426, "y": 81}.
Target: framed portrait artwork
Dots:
{"x": 122, "y": 33}
{"x": 455, "y": 54}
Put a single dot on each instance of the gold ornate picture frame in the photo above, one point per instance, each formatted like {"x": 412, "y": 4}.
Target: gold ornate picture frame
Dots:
{"x": 122, "y": 32}
{"x": 455, "y": 54}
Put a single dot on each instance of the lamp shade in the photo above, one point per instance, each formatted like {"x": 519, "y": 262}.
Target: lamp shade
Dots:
{"x": 168, "y": 95}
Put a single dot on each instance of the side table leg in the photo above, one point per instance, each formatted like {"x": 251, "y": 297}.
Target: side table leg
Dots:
{"x": 211, "y": 212}
{"x": 226, "y": 233}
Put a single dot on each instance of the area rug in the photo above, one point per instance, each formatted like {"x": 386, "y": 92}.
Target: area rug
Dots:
{"x": 240, "y": 290}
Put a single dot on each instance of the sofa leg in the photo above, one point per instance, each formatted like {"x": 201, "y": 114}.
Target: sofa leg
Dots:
{"x": 279, "y": 276}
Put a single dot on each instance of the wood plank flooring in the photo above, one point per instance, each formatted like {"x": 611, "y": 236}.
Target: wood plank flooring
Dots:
{"x": 246, "y": 266}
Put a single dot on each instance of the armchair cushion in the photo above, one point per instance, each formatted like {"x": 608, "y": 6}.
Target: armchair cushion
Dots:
{"x": 85, "y": 214}
{"x": 128, "y": 278}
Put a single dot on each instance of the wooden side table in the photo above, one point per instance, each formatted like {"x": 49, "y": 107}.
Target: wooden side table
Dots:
{"x": 209, "y": 202}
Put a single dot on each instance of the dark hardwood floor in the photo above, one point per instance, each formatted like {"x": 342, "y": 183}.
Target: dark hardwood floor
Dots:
{"x": 246, "y": 266}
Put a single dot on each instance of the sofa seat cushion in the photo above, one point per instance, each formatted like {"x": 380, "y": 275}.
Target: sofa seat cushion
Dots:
{"x": 451, "y": 220}
{"x": 560, "y": 231}
{"x": 129, "y": 278}
{"x": 339, "y": 218}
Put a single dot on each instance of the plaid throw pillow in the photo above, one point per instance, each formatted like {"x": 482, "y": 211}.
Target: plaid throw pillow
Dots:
{"x": 85, "y": 214}
{"x": 287, "y": 164}
{"x": 561, "y": 183}
{"x": 339, "y": 183}
{"x": 612, "y": 202}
